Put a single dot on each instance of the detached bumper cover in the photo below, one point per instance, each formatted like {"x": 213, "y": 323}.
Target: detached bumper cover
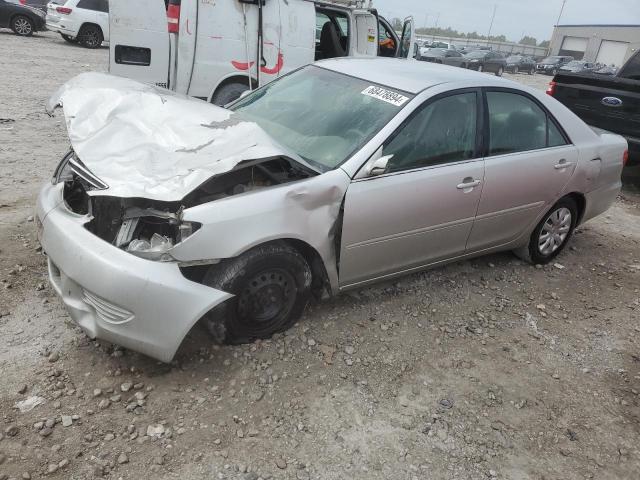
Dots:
{"x": 140, "y": 304}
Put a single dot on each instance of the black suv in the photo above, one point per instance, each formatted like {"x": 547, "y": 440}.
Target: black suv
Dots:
{"x": 551, "y": 65}
{"x": 22, "y": 19}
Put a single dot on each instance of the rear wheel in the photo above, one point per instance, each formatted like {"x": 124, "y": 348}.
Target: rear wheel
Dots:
{"x": 515, "y": 70}
{"x": 228, "y": 93}
{"x": 500, "y": 71}
{"x": 22, "y": 26}
{"x": 271, "y": 285}
{"x": 90, "y": 36}
{"x": 532, "y": 70}
{"x": 480, "y": 68}
{"x": 552, "y": 233}
{"x": 69, "y": 38}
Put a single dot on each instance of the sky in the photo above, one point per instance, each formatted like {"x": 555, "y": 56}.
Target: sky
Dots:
{"x": 514, "y": 18}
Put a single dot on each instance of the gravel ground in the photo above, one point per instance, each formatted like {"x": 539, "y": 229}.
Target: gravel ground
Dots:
{"x": 487, "y": 368}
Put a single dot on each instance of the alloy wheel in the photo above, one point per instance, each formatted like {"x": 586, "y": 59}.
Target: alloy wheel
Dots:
{"x": 515, "y": 70}
{"x": 555, "y": 230}
{"x": 22, "y": 26}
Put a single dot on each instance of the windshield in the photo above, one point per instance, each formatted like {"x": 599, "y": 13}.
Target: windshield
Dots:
{"x": 514, "y": 58}
{"x": 321, "y": 115}
{"x": 550, "y": 60}
{"x": 478, "y": 54}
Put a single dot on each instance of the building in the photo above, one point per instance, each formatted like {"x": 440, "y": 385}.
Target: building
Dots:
{"x": 606, "y": 44}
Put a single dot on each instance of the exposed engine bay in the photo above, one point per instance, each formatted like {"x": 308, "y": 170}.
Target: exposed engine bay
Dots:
{"x": 149, "y": 228}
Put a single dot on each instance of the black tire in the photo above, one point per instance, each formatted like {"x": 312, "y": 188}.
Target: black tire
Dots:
{"x": 228, "y": 93}
{"x": 533, "y": 252}
{"x": 532, "y": 71}
{"x": 90, "y": 36}
{"x": 515, "y": 70}
{"x": 22, "y": 25}
{"x": 480, "y": 68}
{"x": 69, "y": 38}
{"x": 500, "y": 71}
{"x": 271, "y": 284}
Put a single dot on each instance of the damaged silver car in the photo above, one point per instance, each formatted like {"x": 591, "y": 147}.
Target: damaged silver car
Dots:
{"x": 168, "y": 211}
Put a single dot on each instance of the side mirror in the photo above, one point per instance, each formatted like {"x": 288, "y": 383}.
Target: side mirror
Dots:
{"x": 378, "y": 166}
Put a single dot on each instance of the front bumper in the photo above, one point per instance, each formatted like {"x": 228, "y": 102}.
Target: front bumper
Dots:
{"x": 143, "y": 305}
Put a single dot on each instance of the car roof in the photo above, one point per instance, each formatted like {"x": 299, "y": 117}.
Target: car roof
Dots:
{"x": 407, "y": 75}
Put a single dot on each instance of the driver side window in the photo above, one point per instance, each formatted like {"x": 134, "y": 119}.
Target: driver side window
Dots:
{"x": 442, "y": 132}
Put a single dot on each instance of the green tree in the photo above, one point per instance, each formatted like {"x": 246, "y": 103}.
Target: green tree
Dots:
{"x": 527, "y": 40}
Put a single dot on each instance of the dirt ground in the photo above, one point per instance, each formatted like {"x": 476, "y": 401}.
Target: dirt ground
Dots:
{"x": 488, "y": 368}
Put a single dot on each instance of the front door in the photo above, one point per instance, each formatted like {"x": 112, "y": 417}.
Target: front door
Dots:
{"x": 419, "y": 207}
{"x": 529, "y": 162}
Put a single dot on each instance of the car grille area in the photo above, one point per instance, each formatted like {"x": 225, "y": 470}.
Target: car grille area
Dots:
{"x": 105, "y": 310}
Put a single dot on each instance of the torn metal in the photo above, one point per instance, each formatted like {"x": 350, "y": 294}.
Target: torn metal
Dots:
{"x": 155, "y": 176}
{"x": 145, "y": 141}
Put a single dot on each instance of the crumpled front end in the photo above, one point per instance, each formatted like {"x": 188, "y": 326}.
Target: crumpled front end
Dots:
{"x": 143, "y": 305}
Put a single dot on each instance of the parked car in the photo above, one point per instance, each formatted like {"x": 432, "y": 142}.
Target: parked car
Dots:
{"x": 551, "y": 65}
{"x": 447, "y": 57}
{"x": 486, "y": 61}
{"x": 83, "y": 21}
{"x": 578, "y": 66}
{"x": 606, "y": 70}
{"x": 202, "y": 49}
{"x": 22, "y": 19}
{"x": 610, "y": 102}
{"x": 340, "y": 174}
{"x": 520, "y": 63}
{"x": 39, "y": 4}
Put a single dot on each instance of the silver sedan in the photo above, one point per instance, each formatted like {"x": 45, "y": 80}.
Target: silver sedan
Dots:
{"x": 169, "y": 212}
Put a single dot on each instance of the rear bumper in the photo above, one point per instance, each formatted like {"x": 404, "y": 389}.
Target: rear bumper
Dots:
{"x": 600, "y": 200}
{"x": 140, "y": 304}
{"x": 57, "y": 28}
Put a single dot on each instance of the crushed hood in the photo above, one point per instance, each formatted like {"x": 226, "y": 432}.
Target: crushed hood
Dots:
{"x": 145, "y": 141}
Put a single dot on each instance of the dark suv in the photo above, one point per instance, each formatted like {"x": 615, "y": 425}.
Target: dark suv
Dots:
{"x": 551, "y": 65}
{"x": 22, "y": 19}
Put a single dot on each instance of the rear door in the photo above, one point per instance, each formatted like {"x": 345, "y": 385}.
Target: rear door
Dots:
{"x": 139, "y": 41}
{"x": 528, "y": 163}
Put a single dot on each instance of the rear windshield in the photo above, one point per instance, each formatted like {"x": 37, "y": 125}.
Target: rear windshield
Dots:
{"x": 322, "y": 115}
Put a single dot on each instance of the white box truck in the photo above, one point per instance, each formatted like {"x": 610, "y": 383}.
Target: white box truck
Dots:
{"x": 216, "y": 49}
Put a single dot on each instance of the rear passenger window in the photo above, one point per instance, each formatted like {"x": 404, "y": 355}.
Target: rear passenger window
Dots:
{"x": 96, "y": 5}
{"x": 442, "y": 132}
{"x": 518, "y": 124}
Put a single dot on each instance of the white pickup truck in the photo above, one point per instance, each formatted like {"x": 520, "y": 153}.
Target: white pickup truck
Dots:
{"x": 216, "y": 49}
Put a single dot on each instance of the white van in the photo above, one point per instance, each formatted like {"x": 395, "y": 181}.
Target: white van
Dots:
{"x": 216, "y": 49}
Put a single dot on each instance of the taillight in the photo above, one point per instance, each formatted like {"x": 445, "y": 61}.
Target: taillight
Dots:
{"x": 625, "y": 158}
{"x": 173, "y": 16}
{"x": 551, "y": 89}
{"x": 64, "y": 10}
{"x": 23, "y": 2}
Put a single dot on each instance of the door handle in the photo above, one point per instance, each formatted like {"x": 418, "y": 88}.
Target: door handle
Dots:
{"x": 468, "y": 183}
{"x": 562, "y": 164}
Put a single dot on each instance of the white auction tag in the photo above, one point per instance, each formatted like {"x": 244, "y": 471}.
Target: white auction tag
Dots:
{"x": 389, "y": 96}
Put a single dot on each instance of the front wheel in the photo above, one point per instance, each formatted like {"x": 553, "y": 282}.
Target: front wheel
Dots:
{"x": 22, "y": 26}
{"x": 480, "y": 68}
{"x": 532, "y": 71}
{"x": 500, "y": 71}
{"x": 271, "y": 285}
{"x": 552, "y": 233}
{"x": 515, "y": 70}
